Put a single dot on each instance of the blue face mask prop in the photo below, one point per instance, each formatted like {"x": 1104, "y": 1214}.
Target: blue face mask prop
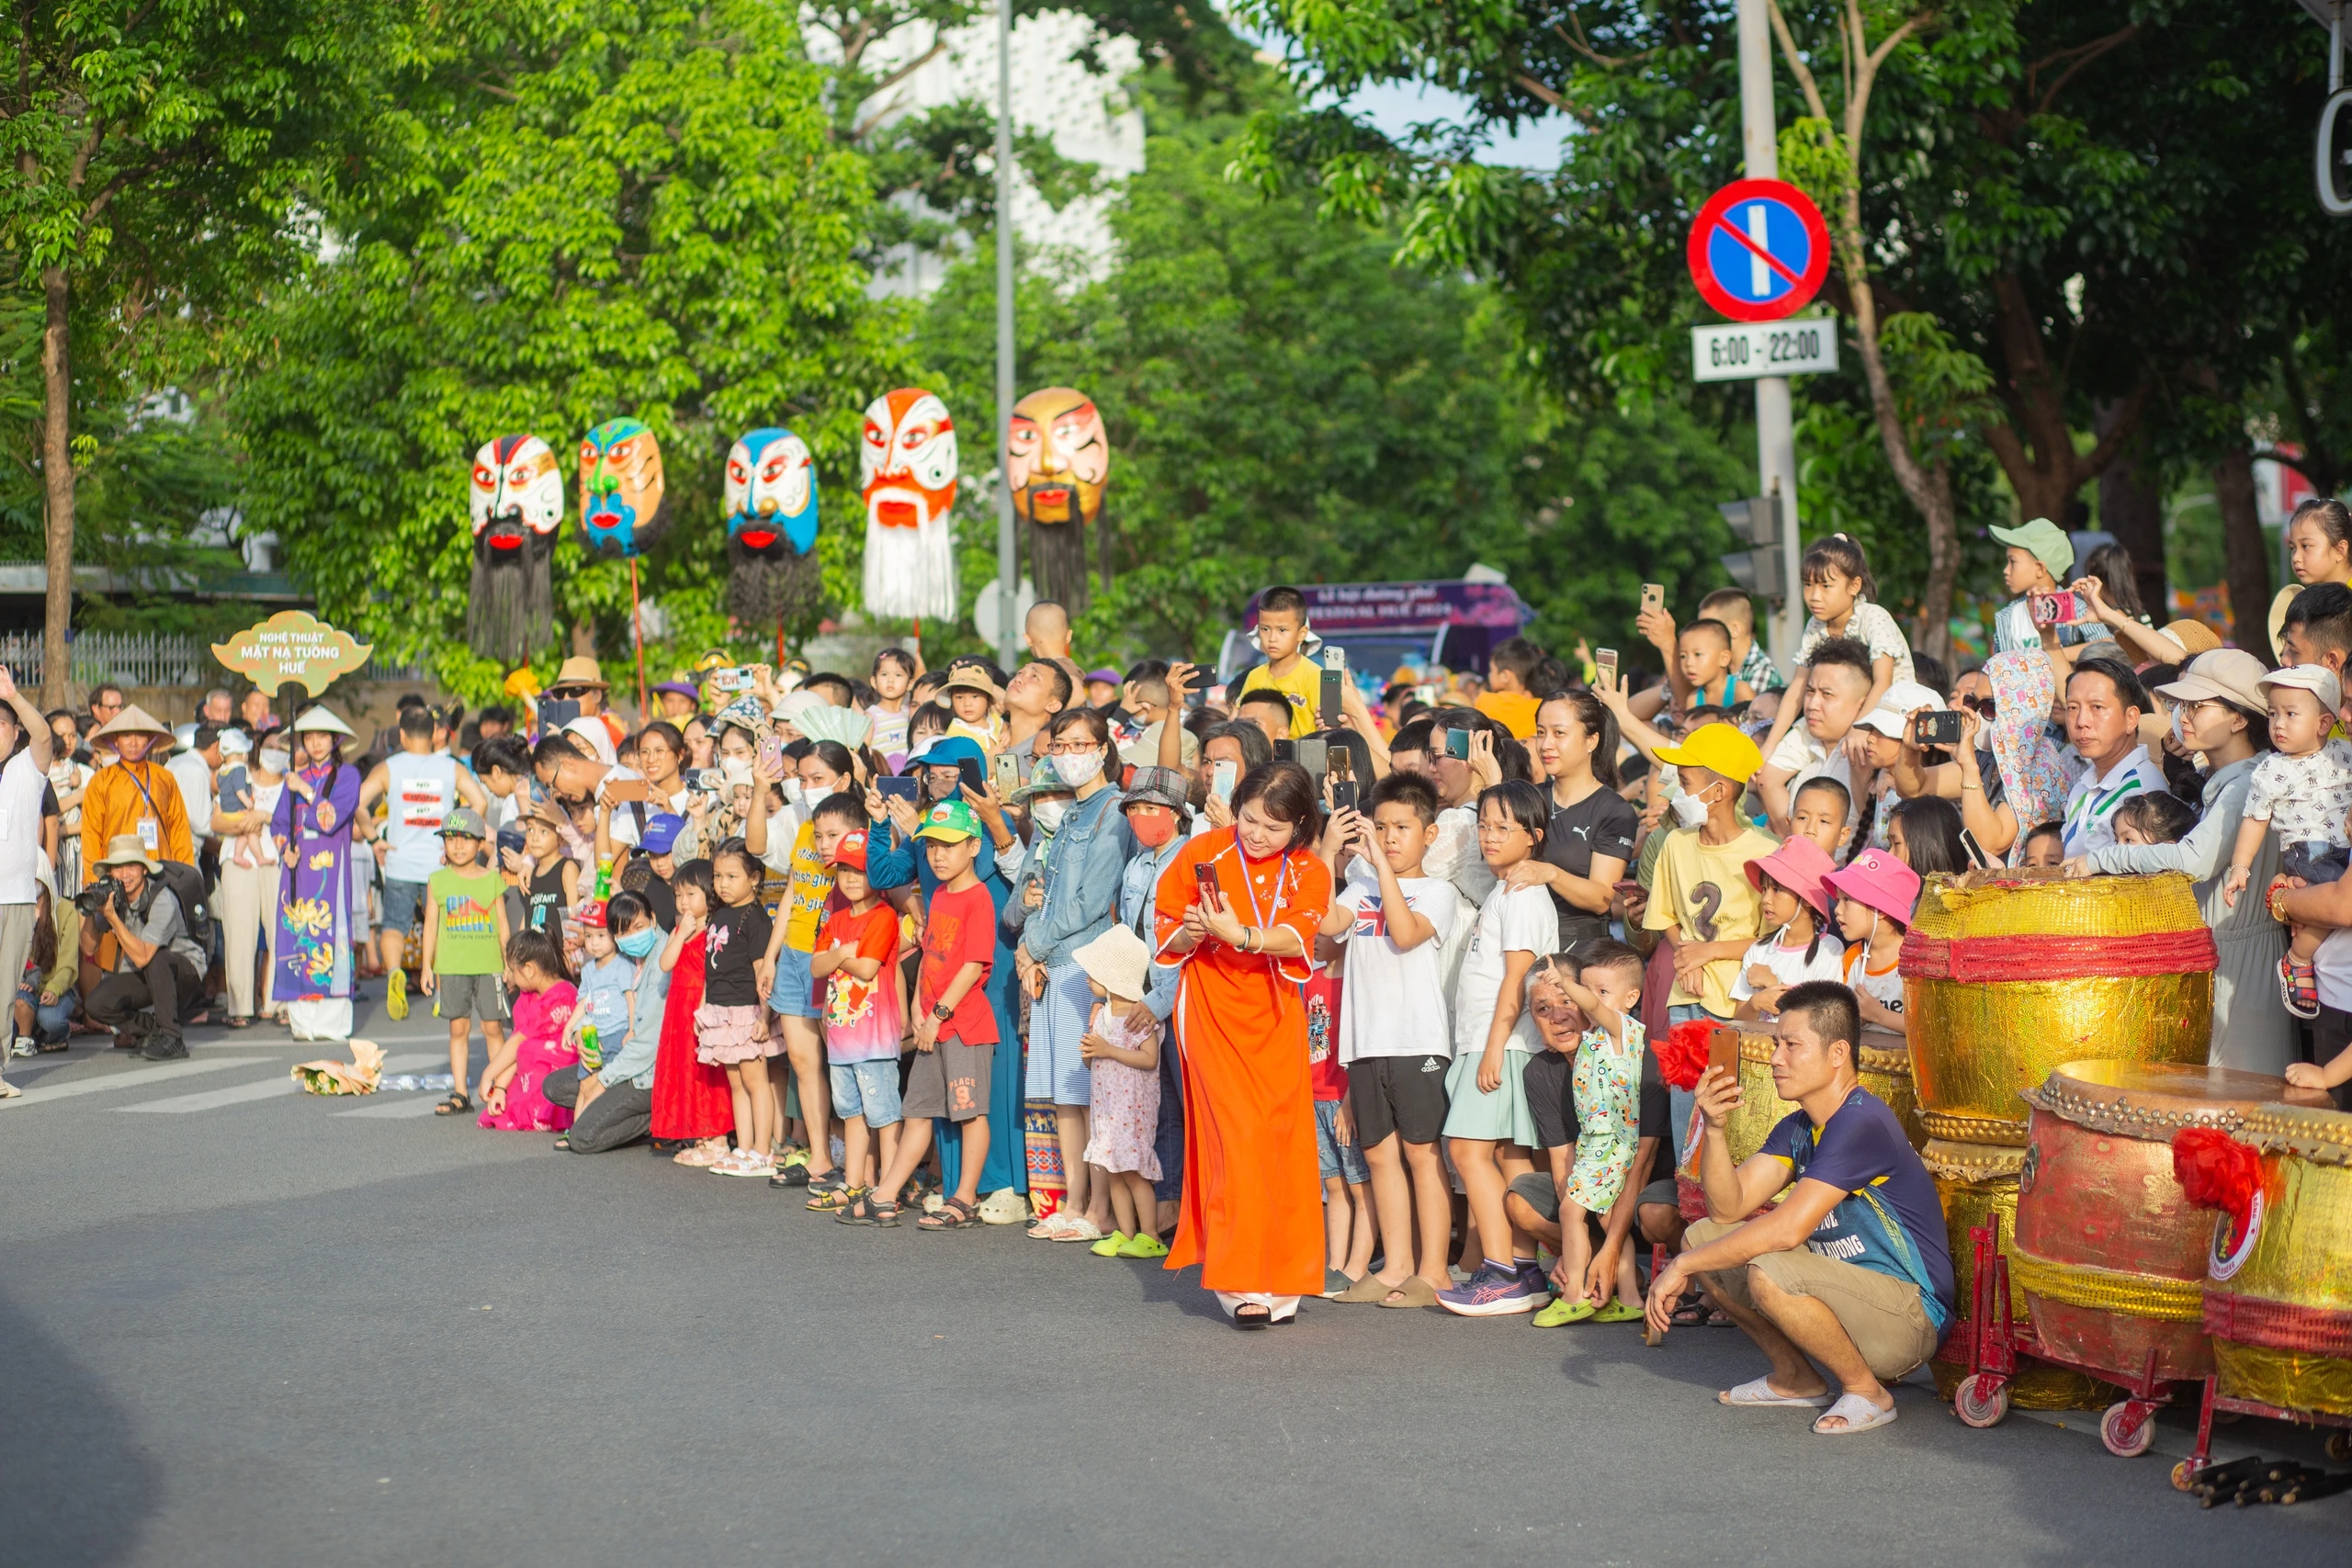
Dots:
{"x": 771, "y": 529}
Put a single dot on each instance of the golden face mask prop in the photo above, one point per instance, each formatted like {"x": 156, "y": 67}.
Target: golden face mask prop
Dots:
{"x": 1058, "y": 457}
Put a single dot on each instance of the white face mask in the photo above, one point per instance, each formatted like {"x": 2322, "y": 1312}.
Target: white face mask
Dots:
{"x": 735, "y": 770}
{"x": 1048, "y": 814}
{"x": 273, "y": 761}
{"x": 1690, "y": 810}
{"x": 794, "y": 793}
{"x": 1079, "y": 770}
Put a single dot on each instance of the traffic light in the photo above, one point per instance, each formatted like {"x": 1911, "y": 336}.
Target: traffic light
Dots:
{"x": 1764, "y": 569}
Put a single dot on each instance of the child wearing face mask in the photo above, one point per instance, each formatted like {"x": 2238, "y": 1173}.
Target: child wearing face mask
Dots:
{"x": 1876, "y": 895}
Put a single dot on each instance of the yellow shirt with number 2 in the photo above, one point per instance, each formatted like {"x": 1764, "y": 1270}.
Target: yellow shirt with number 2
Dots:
{"x": 1702, "y": 894}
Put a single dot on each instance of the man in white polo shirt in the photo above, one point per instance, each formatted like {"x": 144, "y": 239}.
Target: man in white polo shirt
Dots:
{"x": 25, "y": 742}
{"x": 2104, "y": 702}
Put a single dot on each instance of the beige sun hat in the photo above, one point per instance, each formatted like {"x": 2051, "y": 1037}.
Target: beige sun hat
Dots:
{"x": 579, "y": 671}
{"x": 124, "y": 849}
{"x": 1118, "y": 961}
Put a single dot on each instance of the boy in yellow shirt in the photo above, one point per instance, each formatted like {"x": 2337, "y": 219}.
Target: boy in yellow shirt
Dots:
{"x": 1282, "y": 633}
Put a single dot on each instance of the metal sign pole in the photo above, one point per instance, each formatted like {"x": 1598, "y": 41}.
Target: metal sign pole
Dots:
{"x": 1776, "y": 442}
{"x": 1008, "y": 569}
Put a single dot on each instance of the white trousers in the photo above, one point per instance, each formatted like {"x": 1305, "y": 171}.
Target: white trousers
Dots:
{"x": 247, "y": 902}
{"x": 1277, "y": 1307}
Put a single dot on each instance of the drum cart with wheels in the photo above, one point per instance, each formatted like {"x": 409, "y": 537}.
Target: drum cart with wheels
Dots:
{"x": 1995, "y": 1346}
{"x": 2339, "y": 1441}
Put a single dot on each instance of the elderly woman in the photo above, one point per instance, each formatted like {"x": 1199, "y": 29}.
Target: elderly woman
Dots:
{"x": 2222, "y": 713}
{"x": 311, "y": 970}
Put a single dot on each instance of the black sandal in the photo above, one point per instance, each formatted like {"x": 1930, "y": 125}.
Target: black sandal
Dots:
{"x": 955, "y": 1214}
{"x": 868, "y": 1209}
{"x": 455, "y": 1105}
{"x": 1259, "y": 1316}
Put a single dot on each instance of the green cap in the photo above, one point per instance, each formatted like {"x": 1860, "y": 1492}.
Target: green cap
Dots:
{"x": 2046, "y": 541}
{"x": 950, "y": 821}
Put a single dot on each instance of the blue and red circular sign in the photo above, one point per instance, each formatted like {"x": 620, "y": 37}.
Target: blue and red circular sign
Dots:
{"x": 1758, "y": 250}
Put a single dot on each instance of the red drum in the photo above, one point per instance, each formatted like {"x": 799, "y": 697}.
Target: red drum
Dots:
{"x": 2109, "y": 1252}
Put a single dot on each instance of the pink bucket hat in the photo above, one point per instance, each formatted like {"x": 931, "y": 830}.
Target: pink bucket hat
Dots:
{"x": 1803, "y": 868}
{"x": 1876, "y": 880}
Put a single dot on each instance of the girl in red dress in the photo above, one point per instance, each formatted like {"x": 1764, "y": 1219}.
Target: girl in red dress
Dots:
{"x": 690, "y": 1101}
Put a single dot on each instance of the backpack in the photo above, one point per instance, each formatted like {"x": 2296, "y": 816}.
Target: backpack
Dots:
{"x": 187, "y": 885}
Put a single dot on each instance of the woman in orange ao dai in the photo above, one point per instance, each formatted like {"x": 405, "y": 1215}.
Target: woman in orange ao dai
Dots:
{"x": 1252, "y": 1214}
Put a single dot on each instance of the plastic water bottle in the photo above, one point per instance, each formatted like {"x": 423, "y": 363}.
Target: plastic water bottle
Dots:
{"x": 411, "y": 1083}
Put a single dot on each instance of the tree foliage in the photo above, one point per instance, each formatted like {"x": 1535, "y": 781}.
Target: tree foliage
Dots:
{"x": 600, "y": 207}
{"x": 1285, "y": 404}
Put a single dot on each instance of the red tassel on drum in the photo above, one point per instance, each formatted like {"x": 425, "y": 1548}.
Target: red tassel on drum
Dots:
{"x": 2216, "y": 1171}
{"x": 1683, "y": 1055}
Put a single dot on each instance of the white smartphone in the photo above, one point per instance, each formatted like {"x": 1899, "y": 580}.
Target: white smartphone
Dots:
{"x": 1222, "y": 778}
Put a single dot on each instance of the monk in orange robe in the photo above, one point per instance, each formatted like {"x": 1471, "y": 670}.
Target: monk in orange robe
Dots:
{"x": 1251, "y": 1214}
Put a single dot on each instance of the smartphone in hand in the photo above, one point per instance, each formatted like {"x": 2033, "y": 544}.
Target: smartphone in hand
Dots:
{"x": 1605, "y": 660}
{"x": 1222, "y": 778}
{"x": 1723, "y": 1050}
{"x": 1204, "y": 881}
{"x": 1652, "y": 598}
{"x": 896, "y": 788}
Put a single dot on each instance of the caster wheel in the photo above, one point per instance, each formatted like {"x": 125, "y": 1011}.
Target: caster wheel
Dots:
{"x": 2127, "y": 1431}
{"x": 1979, "y": 1401}
{"x": 2339, "y": 1444}
{"x": 2180, "y": 1474}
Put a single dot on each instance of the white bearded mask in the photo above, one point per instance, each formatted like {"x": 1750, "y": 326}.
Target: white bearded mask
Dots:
{"x": 516, "y": 475}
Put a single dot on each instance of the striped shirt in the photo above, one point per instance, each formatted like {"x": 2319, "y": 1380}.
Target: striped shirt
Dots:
{"x": 2090, "y": 804}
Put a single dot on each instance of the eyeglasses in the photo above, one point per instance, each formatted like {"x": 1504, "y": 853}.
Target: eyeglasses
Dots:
{"x": 1072, "y": 749}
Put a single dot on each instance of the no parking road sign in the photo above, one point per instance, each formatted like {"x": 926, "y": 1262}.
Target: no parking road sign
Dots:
{"x": 1758, "y": 250}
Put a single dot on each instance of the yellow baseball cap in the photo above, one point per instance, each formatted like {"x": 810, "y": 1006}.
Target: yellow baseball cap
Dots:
{"x": 1717, "y": 746}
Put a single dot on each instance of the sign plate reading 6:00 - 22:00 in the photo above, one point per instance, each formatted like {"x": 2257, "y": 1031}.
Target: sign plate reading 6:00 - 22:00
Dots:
{"x": 1741, "y": 351}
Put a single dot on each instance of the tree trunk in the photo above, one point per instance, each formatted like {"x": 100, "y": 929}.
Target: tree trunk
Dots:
{"x": 57, "y": 479}
{"x": 2132, "y": 507}
{"x": 2244, "y": 550}
{"x": 1943, "y": 564}
{"x": 1102, "y": 528}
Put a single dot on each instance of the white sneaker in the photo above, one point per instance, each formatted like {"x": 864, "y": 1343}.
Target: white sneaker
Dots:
{"x": 24, "y": 1047}
{"x": 8, "y": 1091}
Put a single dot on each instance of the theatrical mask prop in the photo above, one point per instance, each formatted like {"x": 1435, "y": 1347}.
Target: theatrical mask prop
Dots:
{"x": 623, "y": 504}
{"x": 1058, "y": 460}
{"x": 771, "y": 528}
{"x": 907, "y": 472}
{"x": 517, "y": 506}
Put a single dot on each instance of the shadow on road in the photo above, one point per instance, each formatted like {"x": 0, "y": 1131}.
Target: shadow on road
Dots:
{"x": 75, "y": 1485}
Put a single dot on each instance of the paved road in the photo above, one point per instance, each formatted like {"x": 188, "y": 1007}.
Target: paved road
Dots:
{"x": 244, "y": 1327}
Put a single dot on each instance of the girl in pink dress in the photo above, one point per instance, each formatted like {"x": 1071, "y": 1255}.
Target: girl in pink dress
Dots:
{"x": 535, "y": 1045}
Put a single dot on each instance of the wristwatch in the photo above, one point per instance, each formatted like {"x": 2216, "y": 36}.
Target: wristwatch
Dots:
{"x": 943, "y": 1013}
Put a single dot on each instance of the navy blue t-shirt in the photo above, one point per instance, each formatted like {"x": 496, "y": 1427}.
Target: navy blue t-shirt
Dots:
{"x": 1861, "y": 1150}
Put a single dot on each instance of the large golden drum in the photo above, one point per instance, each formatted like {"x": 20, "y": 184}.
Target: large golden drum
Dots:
{"x": 1977, "y": 1184}
{"x": 2007, "y": 974}
{"x": 2279, "y": 1299}
{"x": 2110, "y": 1254}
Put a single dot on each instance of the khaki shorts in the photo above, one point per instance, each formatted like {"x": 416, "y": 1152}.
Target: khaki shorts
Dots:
{"x": 1882, "y": 1314}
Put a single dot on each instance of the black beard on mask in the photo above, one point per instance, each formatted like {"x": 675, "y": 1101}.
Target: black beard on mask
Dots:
{"x": 766, "y": 586}
{"x": 510, "y": 613}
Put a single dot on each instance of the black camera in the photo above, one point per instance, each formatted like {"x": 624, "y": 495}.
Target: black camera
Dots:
{"x": 93, "y": 900}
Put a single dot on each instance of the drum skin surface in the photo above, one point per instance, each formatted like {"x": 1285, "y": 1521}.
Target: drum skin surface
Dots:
{"x": 2109, "y": 1252}
{"x": 2006, "y": 976}
{"x": 2279, "y": 1299}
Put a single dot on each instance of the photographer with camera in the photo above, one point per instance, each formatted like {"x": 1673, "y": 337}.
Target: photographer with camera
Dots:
{"x": 158, "y": 966}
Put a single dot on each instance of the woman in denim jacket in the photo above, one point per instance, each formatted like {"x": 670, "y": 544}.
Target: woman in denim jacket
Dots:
{"x": 1077, "y": 901}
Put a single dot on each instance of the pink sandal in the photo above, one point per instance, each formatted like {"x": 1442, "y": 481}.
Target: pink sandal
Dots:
{"x": 702, "y": 1156}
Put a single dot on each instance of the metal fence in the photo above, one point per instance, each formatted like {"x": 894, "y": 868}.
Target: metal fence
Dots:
{"x": 146, "y": 660}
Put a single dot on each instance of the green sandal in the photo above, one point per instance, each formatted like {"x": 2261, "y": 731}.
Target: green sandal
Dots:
{"x": 1617, "y": 1311}
{"x": 1563, "y": 1310}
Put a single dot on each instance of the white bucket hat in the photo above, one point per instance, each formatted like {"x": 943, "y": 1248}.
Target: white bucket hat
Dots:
{"x": 1117, "y": 962}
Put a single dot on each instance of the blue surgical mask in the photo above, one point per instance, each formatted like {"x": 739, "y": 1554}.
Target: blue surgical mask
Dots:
{"x": 640, "y": 943}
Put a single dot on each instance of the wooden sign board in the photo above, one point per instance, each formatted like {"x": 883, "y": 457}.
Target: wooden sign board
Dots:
{"x": 292, "y": 648}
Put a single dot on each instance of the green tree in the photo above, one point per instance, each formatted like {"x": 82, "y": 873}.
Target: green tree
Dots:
{"x": 2058, "y": 190}
{"x": 156, "y": 153}
{"x": 613, "y": 207}
{"x": 1285, "y": 404}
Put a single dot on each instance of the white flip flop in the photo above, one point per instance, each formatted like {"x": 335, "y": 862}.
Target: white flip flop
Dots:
{"x": 1758, "y": 1393}
{"x": 1858, "y": 1414}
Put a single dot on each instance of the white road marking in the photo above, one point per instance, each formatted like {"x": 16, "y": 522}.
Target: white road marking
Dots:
{"x": 41, "y": 1094}
{"x": 401, "y": 1106}
{"x": 268, "y": 1088}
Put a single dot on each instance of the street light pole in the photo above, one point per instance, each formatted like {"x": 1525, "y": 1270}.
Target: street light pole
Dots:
{"x": 1007, "y": 558}
{"x": 1776, "y": 442}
